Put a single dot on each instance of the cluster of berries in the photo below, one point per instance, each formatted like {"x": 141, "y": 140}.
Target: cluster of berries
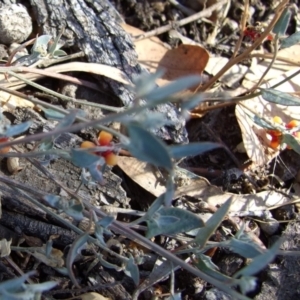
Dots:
{"x": 104, "y": 139}
{"x": 254, "y": 32}
{"x": 276, "y": 135}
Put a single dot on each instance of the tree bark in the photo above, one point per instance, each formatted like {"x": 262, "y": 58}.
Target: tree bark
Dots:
{"x": 93, "y": 26}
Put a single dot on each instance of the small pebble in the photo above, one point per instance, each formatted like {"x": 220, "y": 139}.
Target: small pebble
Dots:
{"x": 269, "y": 226}
{"x": 15, "y": 24}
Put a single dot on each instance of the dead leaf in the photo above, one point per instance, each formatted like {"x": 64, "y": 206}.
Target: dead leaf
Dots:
{"x": 181, "y": 61}
{"x": 144, "y": 175}
{"x": 199, "y": 188}
{"x": 253, "y": 135}
{"x": 54, "y": 260}
{"x": 255, "y": 148}
{"x": 231, "y": 77}
{"x": 150, "y": 51}
{"x": 258, "y": 67}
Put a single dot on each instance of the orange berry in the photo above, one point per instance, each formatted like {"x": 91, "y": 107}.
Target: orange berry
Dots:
{"x": 275, "y": 142}
{"x": 104, "y": 138}
{"x": 277, "y": 120}
{"x": 111, "y": 159}
{"x": 292, "y": 124}
{"x": 5, "y": 149}
{"x": 87, "y": 144}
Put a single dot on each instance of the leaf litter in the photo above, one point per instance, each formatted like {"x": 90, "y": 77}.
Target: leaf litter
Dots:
{"x": 182, "y": 61}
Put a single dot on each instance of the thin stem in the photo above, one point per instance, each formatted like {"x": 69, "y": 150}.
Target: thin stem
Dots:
{"x": 61, "y": 96}
{"x": 87, "y": 123}
{"x": 119, "y": 228}
{"x": 276, "y": 41}
{"x": 204, "y": 13}
{"x": 243, "y": 26}
{"x": 245, "y": 54}
{"x": 63, "y": 111}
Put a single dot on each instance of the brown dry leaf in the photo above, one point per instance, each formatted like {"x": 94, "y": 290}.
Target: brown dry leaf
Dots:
{"x": 253, "y": 135}
{"x": 93, "y": 296}
{"x": 199, "y": 188}
{"x": 231, "y": 77}
{"x": 182, "y": 61}
{"x": 145, "y": 176}
{"x": 150, "y": 51}
{"x": 257, "y": 68}
{"x": 54, "y": 260}
{"x": 253, "y": 142}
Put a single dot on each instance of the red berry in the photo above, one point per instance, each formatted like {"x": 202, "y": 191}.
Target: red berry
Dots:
{"x": 5, "y": 149}
{"x": 274, "y": 132}
{"x": 292, "y": 124}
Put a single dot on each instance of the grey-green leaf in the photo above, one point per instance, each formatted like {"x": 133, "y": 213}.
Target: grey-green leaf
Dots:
{"x": 17, "y": 129}
{"x": 260, "y": 261}
{"x": 205, "y": 265}
{"x": 192, "y": 149}
{"x": 16, "y": 283}
{"x": 155, "y": 206}
{"x": 260, "y": 122}
{"x": 59, "y": 53}
{"x": 145, "y": 82}
{"x": 147, "y": 147}
{"x": 96, "y": 173}
{"x": 291, "y": 40}
{"x": 68, "y": 119}
{"x": 83, "y": 159}
{"x": 192, "y": 102}
{"x": 74, "y": 250}
{"x": 283, "y": 22}
{"x": 243, "y": 248}
{"x": 171, "y": 221}
{"x": 174, "y": 87}
{"x": 52, "y": 114}
{"x": 132, "y": 270}
{"x": 41, "y": 43}
{"x": 75, "y": 211}
{"x": 290, "y": 140}
{"x": 278, "y": 97}
{"x": 212, "y": 224}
